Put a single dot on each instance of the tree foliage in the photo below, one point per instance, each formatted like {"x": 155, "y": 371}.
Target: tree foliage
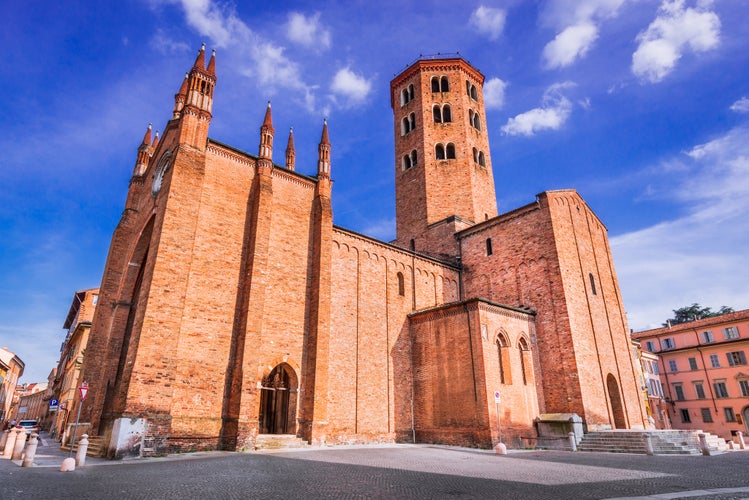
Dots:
{"x": 695, "y": 312}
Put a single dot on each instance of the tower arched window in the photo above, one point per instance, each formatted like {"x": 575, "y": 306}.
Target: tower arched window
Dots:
{"x": 475, "y": 155}
{"x": 476, "y": 121}
{"x": 468, "y": 87}
{"x": 444, "y": 84}
{"x": 401, "y": 285}
{"x": 411, "y": 92}
{"x": 414, "y": 158}
{"x": 435, "y": 84}
{"x": 470, "y": 116}
{"x": 482, "y": 160}
{"x": 439, "y": 152}
{"x": 447, "y": 115}
{"x": 412, "y": 121}
{"x": 407, "y": 162}
{"x": 450, "y": 151}
{"x": 405, "y": 126}
{"x": 437, "y": 113}
{"x": 505, "y": 374}
{"x": 404, "y": 97}
{"x": 524, "y": 359}
{"x": 474, "y": 93}
{"x": 407, "y": 94}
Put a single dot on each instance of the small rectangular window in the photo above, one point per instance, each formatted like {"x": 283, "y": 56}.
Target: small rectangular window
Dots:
{"x": 730, "y": 415}
{"x": 650, "y": 346}
{"x": 488, "y": 246}
{"x": 679, "y": 390}
{"x": 707, "y": 337}
{"x": 672, "y": 365}
{"x": 707, "y": 417}
{"x": 720, "y": 390}
{"x": 667, "y": 343}
{"x": 700, "y": 390}
{"x": 95, "y": 299}
{"x": 685, "y": 416}
{"x": 736, "y": 358}
{"x": 714, "y": 361}
{"x": 730, "y": 332}
{"x": 692, "y": 363}
{"x": 744, "y": 385}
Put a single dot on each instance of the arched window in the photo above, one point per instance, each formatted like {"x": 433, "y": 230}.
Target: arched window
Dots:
{"x": 470, "y": 116}
{"x": 413, "y": 158}
{"x": 476, "y": 121}
{"x": 401, "y": 285}
{"x": 592, "y": 283}
{"x": 450, "y": 151}
{"x": 439, "y": 152}
{"x": 405, "y": 128}
{"x": 489, "y": 250}
{"x": 447, "y": 115}
{"x": 482, "y": 161}
{"x": 524, "y": 362}
{"x": 475, "y": 155}
{"x": 406, "y": 162}
{"x": 503, "y": 356}
{"x": 444, "y": 84}
{"x": 412, "y": 121}
{"x": 437, "y": 113}
{"x": 411, "y": 92}
{"x": 468, "y": 87}
{"x": 435, "y": 84}
{"x": 473, "y": 93}
{"x": 404, "y": 97}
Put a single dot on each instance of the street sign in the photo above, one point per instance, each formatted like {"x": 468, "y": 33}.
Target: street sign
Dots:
{"x": 53, "y": 405}
{"x": 496, "y": 397}
{"x": 83, "y": 389}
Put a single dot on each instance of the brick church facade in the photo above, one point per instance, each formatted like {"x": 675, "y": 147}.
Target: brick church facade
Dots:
{"x": 231, "y": 306}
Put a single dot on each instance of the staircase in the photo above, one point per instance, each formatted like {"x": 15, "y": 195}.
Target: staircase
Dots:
{"x": 665, "y": 442}
{"x": 96, "y": 446}
{"x": 278, "y": 441}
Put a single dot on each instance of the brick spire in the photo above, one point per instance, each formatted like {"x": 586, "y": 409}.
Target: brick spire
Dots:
{"x": 290, "y": 152}
{"x": 200, "y": 60}
{"x": 323, "y": 153}
{"x": 144, "y": 154}
{"x": 211, "y": 70}
{"x": 147, "y": 137}
{"x": 179, "y": 98}
{"x": 155, "y": 142}
{"x": 266, "y": 136}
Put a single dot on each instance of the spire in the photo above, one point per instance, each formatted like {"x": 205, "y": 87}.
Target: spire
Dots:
{"x": 155, "y": 141}
{"x": 147, "y": 137}
{"x": 290, "y": 153}
{"x": 180, "y": 97}
{"x": 144, "y": 153}
{"x": 265, "y": 150}
{"x": 211, "y": 70}
{"x": 200, "y": 60}
{"x": 323, "y": 153}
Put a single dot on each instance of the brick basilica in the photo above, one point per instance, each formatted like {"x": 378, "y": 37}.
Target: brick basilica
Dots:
{"x": 231, "y": 307}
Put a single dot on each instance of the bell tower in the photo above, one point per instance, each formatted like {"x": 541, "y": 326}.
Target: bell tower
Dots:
{"x": 443, "y": 171}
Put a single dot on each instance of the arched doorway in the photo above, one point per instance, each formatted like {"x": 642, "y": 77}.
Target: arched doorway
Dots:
{"x": 616, "y": 402}
{"x": 278, "y": 401}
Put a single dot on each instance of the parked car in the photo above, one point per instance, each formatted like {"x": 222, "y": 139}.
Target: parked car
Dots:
{"x": 30, "y": 426}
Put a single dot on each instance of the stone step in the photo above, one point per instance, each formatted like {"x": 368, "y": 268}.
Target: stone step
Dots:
{"x": 663, "y": 442}
{"x": 96, "y": 446}
{"x": 277, "y": 441}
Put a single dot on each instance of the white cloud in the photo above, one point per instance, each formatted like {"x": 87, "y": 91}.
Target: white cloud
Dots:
{"x": 740, "y": 106}
{"x": 554, "y": 111}
{"x": 354, "y": 88}
{"x": 307, "y": 31}
{"x": 571, "y": 44}
{"x": 695, "y": 257}
{"x": 383, "y": 229}
{"x": 164, "y": 44}
{"x": 579, "y": 25}
{"x": 488, "y": 21}
{"x": 494, "y": 93}
{"x": 676, "y": 29}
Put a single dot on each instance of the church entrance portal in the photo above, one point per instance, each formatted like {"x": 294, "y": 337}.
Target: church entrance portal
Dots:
{"x": 278, "y": 401}
{"x": 616, "y": 402}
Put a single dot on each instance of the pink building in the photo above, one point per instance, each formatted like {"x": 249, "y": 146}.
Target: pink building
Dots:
{"x": 703, "y": 365}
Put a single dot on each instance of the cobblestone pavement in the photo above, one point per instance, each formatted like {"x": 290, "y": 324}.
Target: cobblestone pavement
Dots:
{"x": 391, "y": 471}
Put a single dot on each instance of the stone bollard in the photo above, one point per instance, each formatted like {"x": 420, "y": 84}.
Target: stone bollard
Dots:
{"x": 740, "y": 435}
{"x": 731, "y": 445}
{"x": 3, "y": 439}
{"x": 500, "y": 449}
{"x": 703, "y": 445}
{"x": 20, "y": 443}
{"x": 28, "y": 458}
{"x": 80, "y": 454}
{"x": 573, "y": 441}
{"x": 11, "y": 442}
{"x": 649, "y": 445}
{"x": 68, "y": 465}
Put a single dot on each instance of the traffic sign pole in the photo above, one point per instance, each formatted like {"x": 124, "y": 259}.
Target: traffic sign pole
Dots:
{"x": 83, "y": 389}
{"x": 499, "y": 425}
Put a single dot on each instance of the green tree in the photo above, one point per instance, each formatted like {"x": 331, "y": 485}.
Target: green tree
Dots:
{"x": 695, "y": 312}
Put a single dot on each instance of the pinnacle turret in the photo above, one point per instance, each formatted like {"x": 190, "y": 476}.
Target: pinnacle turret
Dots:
{"x": 290, "y": 152}
{"x": 265, "y": 149}
{"x": 323, "y": 153}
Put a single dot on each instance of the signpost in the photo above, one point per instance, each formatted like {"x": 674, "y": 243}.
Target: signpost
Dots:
{"x": 53, "y": 405}
{"x": 83, "y": 390}
{"x": 497, "y": 400}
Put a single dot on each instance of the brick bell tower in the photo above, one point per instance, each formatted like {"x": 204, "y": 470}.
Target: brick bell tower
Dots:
{"x": 443, "y": 171}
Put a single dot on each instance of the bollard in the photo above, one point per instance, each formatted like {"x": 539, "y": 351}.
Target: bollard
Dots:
{"x": 11, "y": 442}
{"x": 4, "y": 439}
{"x": 500, "y": 449}
{"x": 649, "y": 445}
{"x": 28, "y": 458}
{"x": 573, "y": 441}
{"x": 740, "y": 435}
{"x": 703, "y": 445}
{"x": 731, "y": 445}
{"x": 68, "y": 465}
{"x": 20, "y": 443}
{"x": 80, "y": 454}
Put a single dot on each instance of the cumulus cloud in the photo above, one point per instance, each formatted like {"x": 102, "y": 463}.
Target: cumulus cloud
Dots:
{"x": 307, "y": 31}
{"x": 488, "y": 21}
{"x": 676, "y": 30}
{"x": 352, "y": 87}
{"x": 163, "y": 43}
{"x": 579, "y": 28}
{"x": 554, "y": 110}
{"x": 678, "y": 262}
{"x": 494, "y": 93}
{"x": 741, "y": 106}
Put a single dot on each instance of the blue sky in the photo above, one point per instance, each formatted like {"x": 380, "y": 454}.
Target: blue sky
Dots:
{"x": 641, "y": 105}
